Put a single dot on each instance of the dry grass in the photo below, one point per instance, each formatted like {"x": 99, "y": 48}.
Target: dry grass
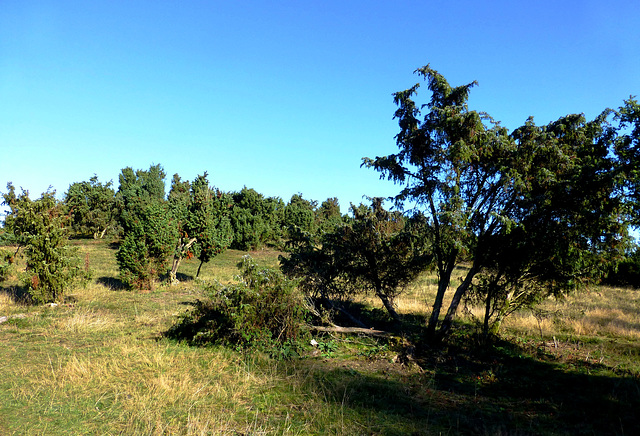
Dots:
{"x": 600, "y": 311}
{"x": 6, "y": 302}
{"x": 144, "y": 388}
{"x": 98, "y": 364}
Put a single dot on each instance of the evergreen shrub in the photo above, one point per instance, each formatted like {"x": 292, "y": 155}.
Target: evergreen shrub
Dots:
{"x": 263, "y": 311}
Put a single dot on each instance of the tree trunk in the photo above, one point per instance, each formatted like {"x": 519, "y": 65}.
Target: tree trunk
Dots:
{"x": 487, "y": 314}
{"x": 99, "y": 234}
{"x": 502, "y": 314}
{"x": 455, "y": 302}
{"x": 199, "y": 266}
{"x": 444, "y": 278}
{"x": 491, "y": 298}
{"x": 174, "y": 270}
{"x": 177, "y": 258}
{"x": 388, "y": 304}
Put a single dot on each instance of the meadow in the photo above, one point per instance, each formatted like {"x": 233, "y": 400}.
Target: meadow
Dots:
{"x": 100, "y": 364}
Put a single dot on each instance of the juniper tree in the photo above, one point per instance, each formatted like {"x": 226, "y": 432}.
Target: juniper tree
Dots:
{"x": 41, "y": 228}
{"x": 149, "y": 231}
{"x": 201, "y": 215}
{"x": 550, "y": 194}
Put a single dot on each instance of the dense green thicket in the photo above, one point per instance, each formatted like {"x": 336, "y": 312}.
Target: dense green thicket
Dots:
{"x": 627, "y": 272}
{"x": 149, "y": 233}
{"x": 256, "y": 220}
{"x": 91, "y": 208}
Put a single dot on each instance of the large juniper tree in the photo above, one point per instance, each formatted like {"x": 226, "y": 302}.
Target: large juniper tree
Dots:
{"x": 539, "y": 206}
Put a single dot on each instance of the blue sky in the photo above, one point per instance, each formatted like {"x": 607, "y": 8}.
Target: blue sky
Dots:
{"x": 282, "y": 96}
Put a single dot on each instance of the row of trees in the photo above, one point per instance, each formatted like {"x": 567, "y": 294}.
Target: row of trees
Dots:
{"x": 257, "y": 221}
{"x": 156, "y": 231}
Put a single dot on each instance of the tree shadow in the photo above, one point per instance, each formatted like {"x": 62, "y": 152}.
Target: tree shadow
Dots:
{"x": 112, "y": 283}
{"x": 501, "y": 390}
{"x": 116, "y": 284}
{"x": 18, "y": 294}
{"x": 575, "y": 398}
{"x": 180, "y": 276}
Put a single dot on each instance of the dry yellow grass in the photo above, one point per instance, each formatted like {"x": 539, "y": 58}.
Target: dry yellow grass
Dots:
{"x": 6, "y": 303}
{"x": 85, "y": 319}
{"x": 98, "y": 365}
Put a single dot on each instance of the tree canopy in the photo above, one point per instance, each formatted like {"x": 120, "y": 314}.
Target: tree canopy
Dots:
{"x": 90, "y": 205}
{"x": 375, "y": 251}
{"x": 541, "y": 205}
{"x": 201, "y": 214}
{"x": 148, "y": 227}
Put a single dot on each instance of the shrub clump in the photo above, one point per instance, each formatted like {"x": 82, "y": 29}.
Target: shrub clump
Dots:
{"x": 263, "y": 311}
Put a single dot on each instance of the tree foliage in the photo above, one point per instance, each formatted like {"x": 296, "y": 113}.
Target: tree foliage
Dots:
{"x": 376, "y": 251}
{"x": 627, "y": 272}
{"x": 628, "y": 153}
{"x": 149, "y": 233}
{"x": 256, "y": 220}
{"x": 201, "y": 214}
{"x": 328, "y": 215}
{"x": 300, "y": 214}
{"x": 535, "y": 211}
{"x": 40, "y": 227}
{"x": 90, "y": 205}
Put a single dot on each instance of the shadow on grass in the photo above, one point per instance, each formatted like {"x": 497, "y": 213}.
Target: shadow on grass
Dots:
{"x": 18, "y": 294}
{"x": 381, "y": 406}
{"x": 180, "y": 276}
{"x": 112, "y": 283}
{"x": 505, "y": 388}
{"x": 502, "y": 391}
{"x": 116, "y": 284}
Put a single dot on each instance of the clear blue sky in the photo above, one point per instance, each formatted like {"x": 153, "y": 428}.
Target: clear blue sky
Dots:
{"x": 282, "y": 96}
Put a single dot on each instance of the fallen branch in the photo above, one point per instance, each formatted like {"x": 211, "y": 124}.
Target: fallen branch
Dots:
{"x": 352, "y": 330}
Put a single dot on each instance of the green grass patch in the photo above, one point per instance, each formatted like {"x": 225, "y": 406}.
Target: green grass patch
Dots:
{"x": 99, "y": 364}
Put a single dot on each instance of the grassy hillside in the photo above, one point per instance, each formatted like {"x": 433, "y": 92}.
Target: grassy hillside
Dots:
{"x": 99, "y": 364}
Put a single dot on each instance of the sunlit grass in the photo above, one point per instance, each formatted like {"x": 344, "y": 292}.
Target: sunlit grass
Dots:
{"x": 6, "y": 302}
{"x": 98, "y": 364}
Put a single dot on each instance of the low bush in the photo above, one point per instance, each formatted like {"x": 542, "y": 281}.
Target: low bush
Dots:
{"x": 263, "y": 311}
